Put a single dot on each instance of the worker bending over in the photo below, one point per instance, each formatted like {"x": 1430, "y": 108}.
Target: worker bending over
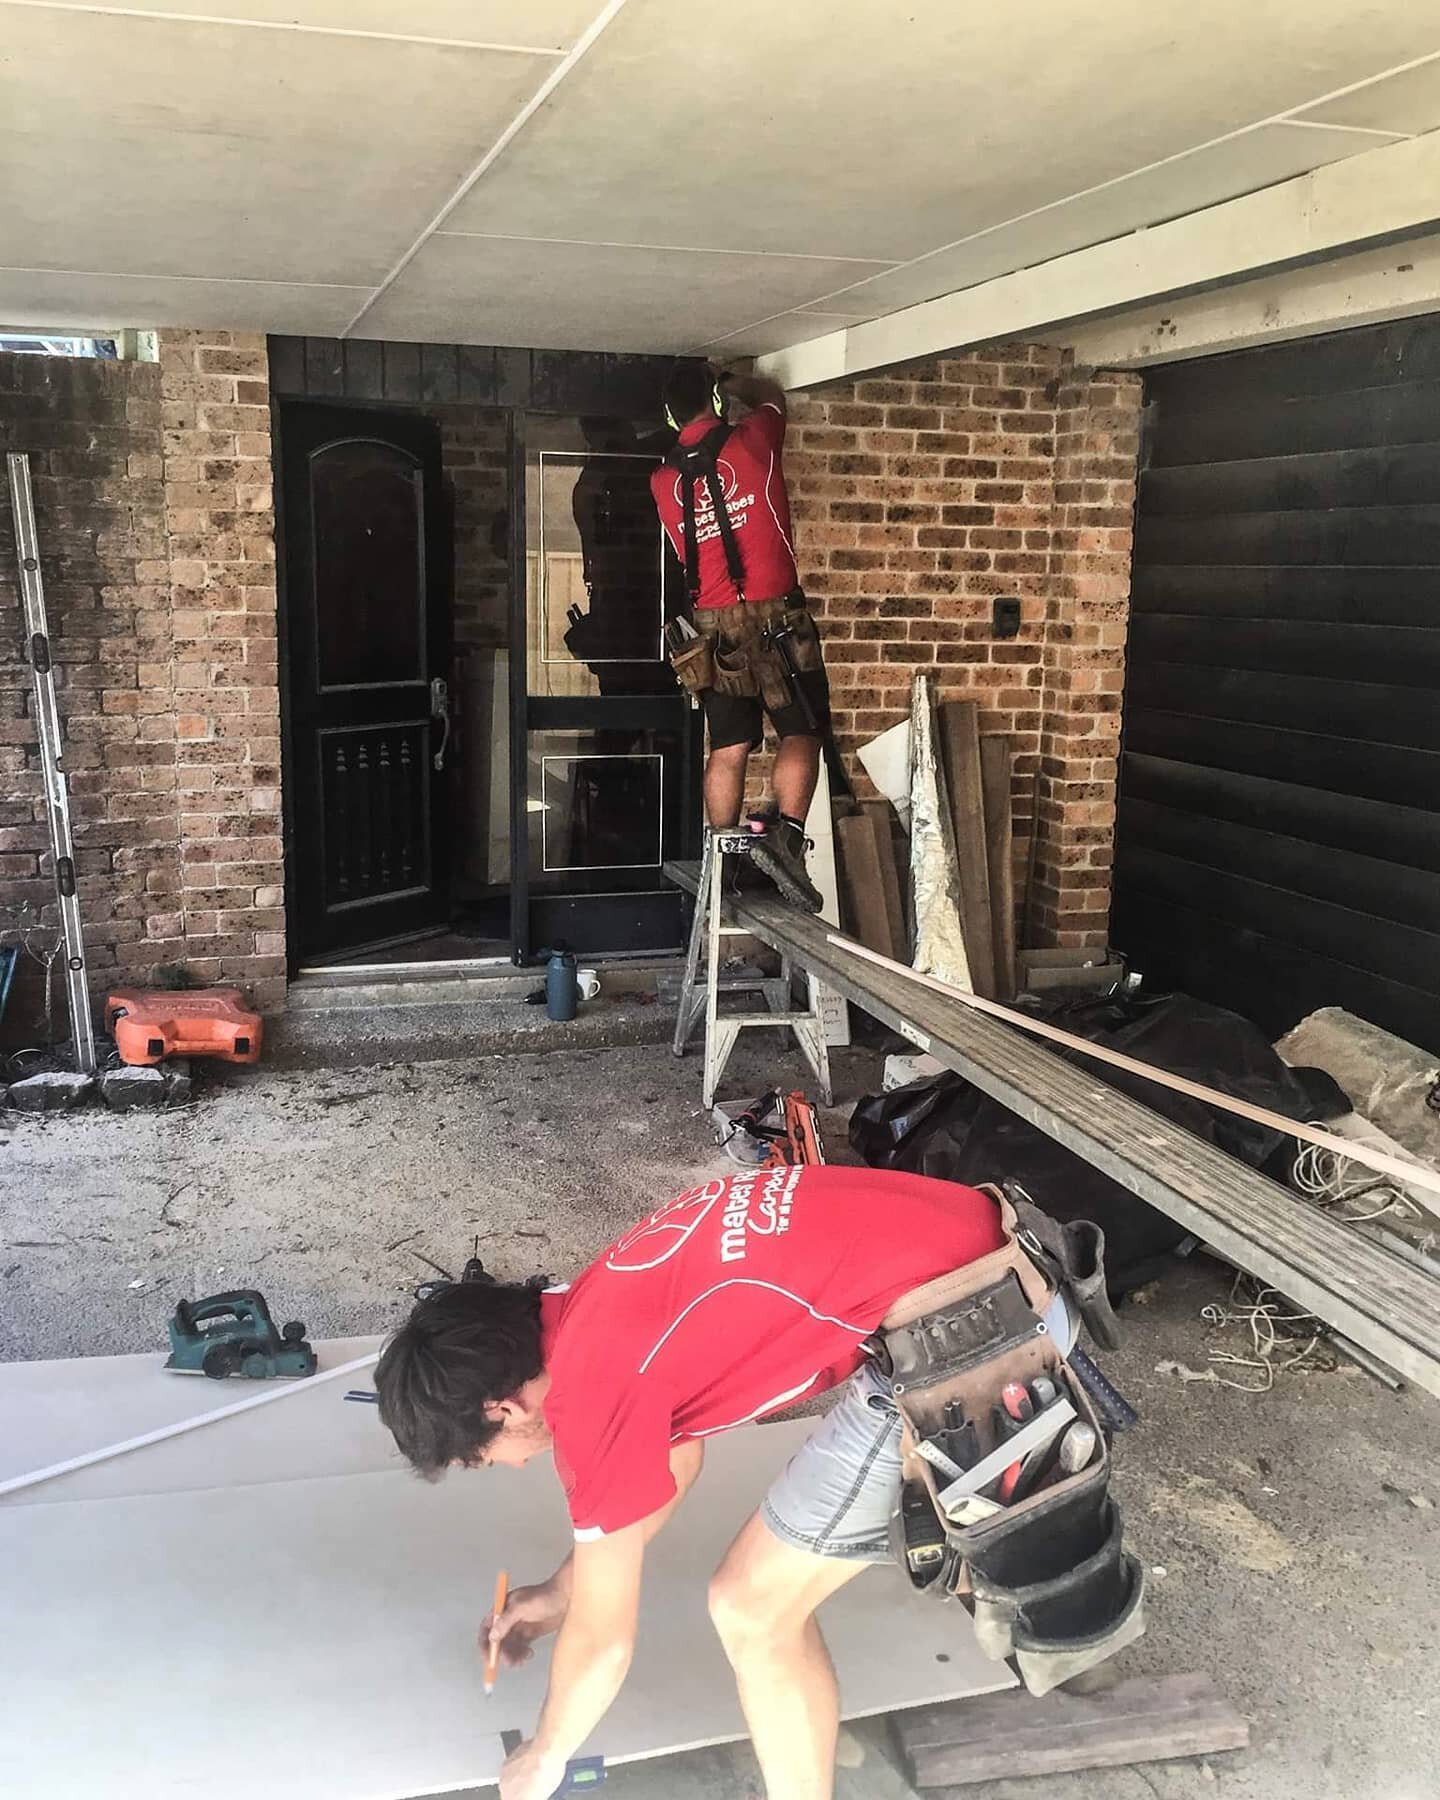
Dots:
{"x": 722, "y": 501}
{"x": 737, "y": 1298}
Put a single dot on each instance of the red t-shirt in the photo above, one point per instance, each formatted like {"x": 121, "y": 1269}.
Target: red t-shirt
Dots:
{"x": 732, "y": 1300}
{"x": 755, "y": 498}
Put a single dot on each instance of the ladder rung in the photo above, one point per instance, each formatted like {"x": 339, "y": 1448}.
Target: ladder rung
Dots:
{"x": 768, "y": 1018}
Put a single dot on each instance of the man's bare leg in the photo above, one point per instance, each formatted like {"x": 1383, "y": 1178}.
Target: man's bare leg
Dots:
{"x": 797, "y": 769}
{"x": 725, "y": 785}
{"x": 763, "y": 1599}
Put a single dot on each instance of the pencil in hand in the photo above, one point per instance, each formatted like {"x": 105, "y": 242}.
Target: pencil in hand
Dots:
{"x": 492, "y": 1648}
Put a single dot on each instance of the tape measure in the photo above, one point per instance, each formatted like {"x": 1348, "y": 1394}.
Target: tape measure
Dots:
{"x": 582, "y": 1773}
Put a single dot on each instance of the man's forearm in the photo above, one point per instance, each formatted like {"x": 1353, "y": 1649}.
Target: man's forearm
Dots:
{"x": 587, "y": 1671}
{"x": 755, "y": 390}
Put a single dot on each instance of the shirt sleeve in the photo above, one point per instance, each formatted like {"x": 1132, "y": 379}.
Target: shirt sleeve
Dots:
{"x": 613, "y": 1457}
{"x": 764, "y": 427}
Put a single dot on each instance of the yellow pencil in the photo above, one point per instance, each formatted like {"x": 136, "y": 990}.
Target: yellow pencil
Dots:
{"x": 492, "y": 1650}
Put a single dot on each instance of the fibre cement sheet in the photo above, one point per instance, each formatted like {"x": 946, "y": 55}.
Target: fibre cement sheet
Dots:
{"x": 319, "y": 1632}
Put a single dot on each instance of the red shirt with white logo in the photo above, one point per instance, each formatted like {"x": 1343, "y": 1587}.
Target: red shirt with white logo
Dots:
{"x": 753, "y": 483}
{"x": 739, "y": 1297}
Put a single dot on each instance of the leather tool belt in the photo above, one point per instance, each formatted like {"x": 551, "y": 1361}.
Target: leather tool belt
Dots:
{"x": 735, "y": 654}
{"x": 1034, "y": 1549}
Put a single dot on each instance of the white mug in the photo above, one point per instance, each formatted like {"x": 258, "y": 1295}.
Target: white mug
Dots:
{"x": 588, "y": 983}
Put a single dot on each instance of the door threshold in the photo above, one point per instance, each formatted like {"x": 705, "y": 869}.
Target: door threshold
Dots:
{"x": 403, "y": 971}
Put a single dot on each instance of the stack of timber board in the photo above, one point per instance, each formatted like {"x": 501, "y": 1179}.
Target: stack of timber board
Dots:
{"x": 977, "y": 774}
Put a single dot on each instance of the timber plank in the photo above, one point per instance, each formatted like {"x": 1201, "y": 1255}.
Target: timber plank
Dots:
{"x": 1404, "y": 655}
{"x": 865, "y": 910}
{"x": 1278, "y": 592}
{"x": 1366, "y": 827}
{"x": 996, "y": 765}
{"x": 997, "y": 1736}
{"x": 1386, "y": 475}
{"x": 958, "y": 723}
{"x": 1379, "y": 1301}
{"x": 885, "y": 824}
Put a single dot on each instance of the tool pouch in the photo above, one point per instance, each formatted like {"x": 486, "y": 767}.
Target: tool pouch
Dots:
{"x": 734, "y": 673}
{"x": 694, "y": 665}
{"x": 1047, "y": 1577}
{"x": 804, "y": 638}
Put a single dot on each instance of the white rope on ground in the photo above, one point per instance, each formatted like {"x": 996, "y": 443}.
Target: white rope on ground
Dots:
{"x": 1324, "y": 1177}
{"x": 1265, "y": 1316}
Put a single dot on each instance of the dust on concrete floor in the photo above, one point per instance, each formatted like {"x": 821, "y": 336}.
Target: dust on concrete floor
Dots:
{"x": 1296, "y": 1568}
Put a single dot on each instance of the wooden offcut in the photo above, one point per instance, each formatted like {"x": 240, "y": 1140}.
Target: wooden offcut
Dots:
{"x": 891, "y": 860}
{"x": 958, "y": 724}
{"x": 996, "y": 762}
{"x": 998, "y": 1736}
{"x": 862, "y": 884}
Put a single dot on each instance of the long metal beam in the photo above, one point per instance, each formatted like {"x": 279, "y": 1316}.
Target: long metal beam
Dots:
{"x": 1376, "y": 1299}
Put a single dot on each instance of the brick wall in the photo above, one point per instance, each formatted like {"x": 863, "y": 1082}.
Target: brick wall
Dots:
{"x": 219, "y": 521}
{"x": 152, "y": 491}
{"x": 919, "y": 498}
{"x": 474, "y": 456}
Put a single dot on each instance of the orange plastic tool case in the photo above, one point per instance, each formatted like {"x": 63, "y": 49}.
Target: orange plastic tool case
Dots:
{"x": 152, "y": 1023}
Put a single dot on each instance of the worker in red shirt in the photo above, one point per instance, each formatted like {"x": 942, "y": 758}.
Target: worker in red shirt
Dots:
{"x": 722, "y": 501}
{"x": 735, "y": 1299}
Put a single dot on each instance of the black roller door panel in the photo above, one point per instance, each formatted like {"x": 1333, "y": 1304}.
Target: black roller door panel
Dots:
{"x": 1278, "y": 842}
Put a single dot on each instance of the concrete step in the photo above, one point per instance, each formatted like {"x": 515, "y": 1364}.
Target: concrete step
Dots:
{"x": 345, "y": 1018}
{"x": 486, "y": 984}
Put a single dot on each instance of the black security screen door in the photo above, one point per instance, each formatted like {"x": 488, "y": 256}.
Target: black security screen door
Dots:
{"x": 367, "y": 630}
{"x": 607, "y": 747}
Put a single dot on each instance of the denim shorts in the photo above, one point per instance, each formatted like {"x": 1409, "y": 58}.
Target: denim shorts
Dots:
{"x": 836, "y": 1494}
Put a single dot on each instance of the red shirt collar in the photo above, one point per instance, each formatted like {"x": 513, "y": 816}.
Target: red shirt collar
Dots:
{"x": 696, "y": 429}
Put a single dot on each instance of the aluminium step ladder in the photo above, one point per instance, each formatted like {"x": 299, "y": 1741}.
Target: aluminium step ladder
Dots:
{"x": 696, "y": 997}
{"x": 52, "y": 762}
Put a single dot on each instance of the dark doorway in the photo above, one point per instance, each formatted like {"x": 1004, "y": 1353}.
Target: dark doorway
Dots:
{"x": 368, "y": 638}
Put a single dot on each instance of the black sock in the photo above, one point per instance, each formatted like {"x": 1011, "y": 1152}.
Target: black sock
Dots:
{"x": 797, "y": 824}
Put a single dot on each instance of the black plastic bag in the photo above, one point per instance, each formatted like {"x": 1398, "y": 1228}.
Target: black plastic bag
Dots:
{"x": 943, "y": 1126}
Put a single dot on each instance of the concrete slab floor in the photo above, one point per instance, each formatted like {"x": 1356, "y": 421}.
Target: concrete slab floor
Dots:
{"x": 1290, "y": 1536}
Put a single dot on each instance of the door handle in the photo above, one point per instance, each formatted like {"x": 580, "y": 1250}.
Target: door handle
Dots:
{"x": 440, "y": 709}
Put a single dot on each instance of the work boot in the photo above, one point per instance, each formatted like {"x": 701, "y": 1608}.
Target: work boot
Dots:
{"x": 779, "y": 852}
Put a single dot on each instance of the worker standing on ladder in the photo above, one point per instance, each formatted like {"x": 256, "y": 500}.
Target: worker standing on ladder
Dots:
{"x": 722, "y": 500}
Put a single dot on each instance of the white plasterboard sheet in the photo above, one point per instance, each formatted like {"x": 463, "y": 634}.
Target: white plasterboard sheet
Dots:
{"x": 1408, "y": 101}
{"x": 484, "y": 290}
{"x": 780, "y": 332}
{"x": 1203, "y": 178}
{"x": 902, "y": 129}
{"x": 536, "y": 24}
{"x": 51, "y": 297}
{"x": 159, "y": 147}
{"x": 320, "y": 1634}
{"x": 56, "y": 1410}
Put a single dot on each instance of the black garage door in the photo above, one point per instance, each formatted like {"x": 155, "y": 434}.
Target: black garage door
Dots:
{"x": 1278, "y": 845}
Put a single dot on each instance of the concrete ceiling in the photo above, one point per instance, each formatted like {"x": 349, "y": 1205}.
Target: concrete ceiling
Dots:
{"x": 643, "y": 175}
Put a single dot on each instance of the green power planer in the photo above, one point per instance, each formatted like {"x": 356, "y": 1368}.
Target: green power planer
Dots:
{"x": 233, "y": 1334}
